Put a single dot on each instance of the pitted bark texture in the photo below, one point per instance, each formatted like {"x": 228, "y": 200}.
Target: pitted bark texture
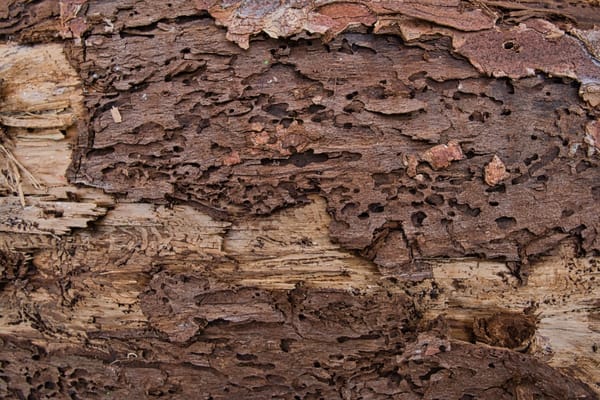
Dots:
{"x": 397, "y": 138}
{"x": 387, "y": 111}
{"x": 207, "y": 339}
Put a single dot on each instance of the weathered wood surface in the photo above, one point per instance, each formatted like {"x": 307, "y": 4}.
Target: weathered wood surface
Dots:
{"x": 372, "y": 216}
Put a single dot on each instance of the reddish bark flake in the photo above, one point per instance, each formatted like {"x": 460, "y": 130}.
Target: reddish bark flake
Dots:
{"x": 495, "y": 171}
{"x": 442, "y": 155}
{"x": 347, "y": 14}
{"x": 232, "y": 159}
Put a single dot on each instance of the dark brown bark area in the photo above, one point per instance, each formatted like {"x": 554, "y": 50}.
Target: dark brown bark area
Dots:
{"x": 364, "y": 121}
{"x": 466, "y": 371}
{"x": 476, "y": 137}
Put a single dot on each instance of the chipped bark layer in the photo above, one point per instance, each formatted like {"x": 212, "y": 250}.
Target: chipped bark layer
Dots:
{"x": 217, "y": 260}
{"x": 396, "y": 138}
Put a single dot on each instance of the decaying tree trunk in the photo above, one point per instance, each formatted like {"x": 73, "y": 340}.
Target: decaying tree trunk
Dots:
{"x": 299, "y": 200}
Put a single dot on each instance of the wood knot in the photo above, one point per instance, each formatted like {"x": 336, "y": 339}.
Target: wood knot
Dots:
{"x": 512, "y": 330}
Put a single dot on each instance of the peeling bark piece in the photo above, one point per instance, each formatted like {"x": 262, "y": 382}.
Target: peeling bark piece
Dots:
{"x": 581, "y": 13}
{"x": 495, "y": 171}
{"x": 346, "y": 15}
{"x": 442, "y": 155}
{"x": 411, "y": 29}
{"x": 306, "y": 324}
{"x": 329, "y": 18}
{"x": 114, "y": 16}
{"x": 520, "y": 51}
{"x": 446, "y": 13}
{"x": 244, "y": 19}
{"x": 242, "y": 362}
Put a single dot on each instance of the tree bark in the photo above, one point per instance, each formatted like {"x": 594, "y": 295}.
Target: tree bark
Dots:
{"x": 360, "y": 199}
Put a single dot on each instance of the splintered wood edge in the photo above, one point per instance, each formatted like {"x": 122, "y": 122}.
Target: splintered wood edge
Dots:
{"x": 41, "y": 100}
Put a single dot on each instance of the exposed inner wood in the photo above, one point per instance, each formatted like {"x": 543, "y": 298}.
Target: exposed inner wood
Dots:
{"x": 370, "y": 217}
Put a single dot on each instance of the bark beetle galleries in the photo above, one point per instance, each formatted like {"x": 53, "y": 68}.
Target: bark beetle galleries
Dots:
{"x": 237, "y": 131}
